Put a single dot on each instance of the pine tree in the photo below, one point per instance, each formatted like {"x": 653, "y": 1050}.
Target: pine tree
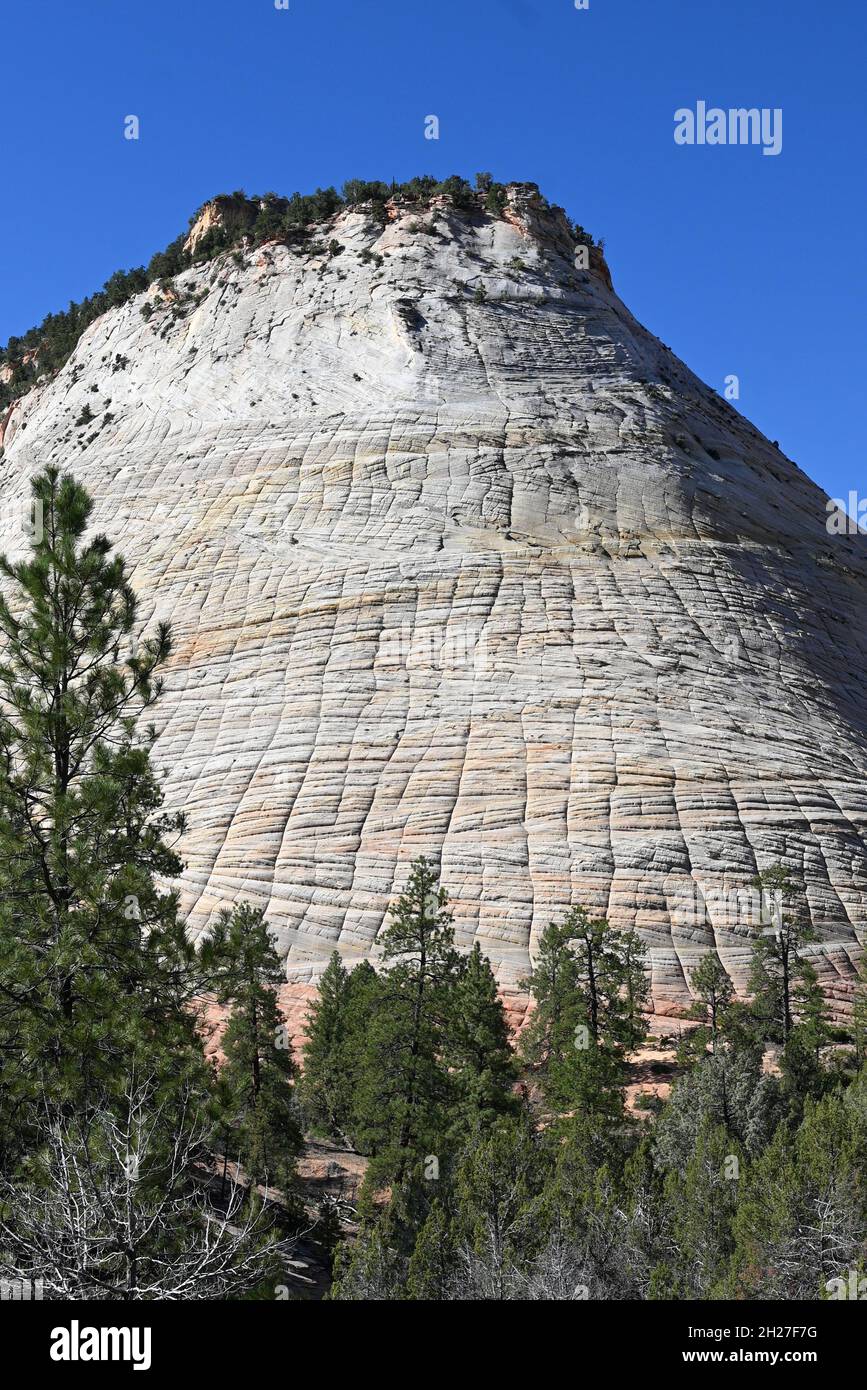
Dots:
{"x": 558, "y": 1010}
{"x": 404, "y": 1088}
{"x": 715, "y": 993}
{"x": 260, "y": 1122}
{"x": 324, "y": 1086}
{"x": 635, "y": 987}
{"x": 777, "y": 966}
{"x": 94, "y": 967}
{"x": 365, "y": 993}
{"x": 477, "y": 1047}
{"x": 801, "y": 1060}
{"x": 802, "y": 1217}
{"x": 586, "y": 1146}
{"x": 701, "y": 1204}
{"x": 588, "y": 986}
{"x": 649, "y": 1222}
{"x": 338, "y": 1026}
{"x": 104, "y": 1091}
{"x": 498, "y": 1188}
{"x": 369, "y": 1270}
{"x": 712, "y": 1007}
{"x": 432, "y": 1274}
{"x": 728, "y": 1089}
{"x": 610, "y": 966}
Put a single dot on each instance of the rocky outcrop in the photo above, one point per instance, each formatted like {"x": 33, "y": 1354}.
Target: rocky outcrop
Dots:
{"x": 230, "y": 213}
{"x": 462, "y": 561}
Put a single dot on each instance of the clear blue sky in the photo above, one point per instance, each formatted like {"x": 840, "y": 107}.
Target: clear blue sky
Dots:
{"x": 743, "y": 263}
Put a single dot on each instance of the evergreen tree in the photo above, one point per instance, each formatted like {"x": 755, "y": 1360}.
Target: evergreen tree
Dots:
{"x": 629, "y": 953}
{"x": 324, "y": 1086}
{"x": 259, "y": 1123}
{"x": 585, "y": 1146}
{"x": 588, "y": 986}
{"x": 802, "y": 1219}
{"x": 611, "y": 973}
{"x": 104, "y": 1091}
{"x": 370, "y": 1270}
{"x": 714, "y": 997}
{"x": 648, "y": 1222}
{"x": 729, "y": 1090}
{"x": 335, "y": 1052}
{"x": 94, "y": 967}
{"x": 365, "y": 993}
{"x": 549, "y": 1039}
{"x": 498, "y": 1188}
{"x": 777, "y": 966}
{"x": 432, "y": 1274}
{"x": 477, "y": 1048}
{"x": 701, "y": 1203}
{"x": 404, "y": 1089}
{"x": 801, "y": 1060}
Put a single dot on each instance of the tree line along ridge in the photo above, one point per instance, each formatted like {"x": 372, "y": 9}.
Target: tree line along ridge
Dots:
{"x": 43, "y": 349}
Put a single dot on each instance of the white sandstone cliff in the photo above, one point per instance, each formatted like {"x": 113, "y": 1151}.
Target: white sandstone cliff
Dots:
{"x": 460, "y": 560}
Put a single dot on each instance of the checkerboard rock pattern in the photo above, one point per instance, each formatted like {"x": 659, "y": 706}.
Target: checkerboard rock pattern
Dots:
{"x": 462, "y": 561}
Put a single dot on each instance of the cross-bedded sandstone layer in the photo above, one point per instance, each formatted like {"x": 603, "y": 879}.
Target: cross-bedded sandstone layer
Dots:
{"x": 462, "y": 561}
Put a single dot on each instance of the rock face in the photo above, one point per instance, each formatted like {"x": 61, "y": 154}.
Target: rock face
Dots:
{"x": 228, "y": 213}
{"x": 462, "y": 561}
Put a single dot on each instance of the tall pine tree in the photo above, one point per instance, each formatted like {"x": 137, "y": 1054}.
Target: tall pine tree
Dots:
{"x": 777, "y": 966}
{"x": 95, "y": 971}
{"x": 325, "y": 1083}
{"x": 404, "y": 1087}
{"x": 589, "y": 987}
{"x": 480, "y": 1056}
{"x": 260, "y": 1122}
{"x": 104, "y": 1092}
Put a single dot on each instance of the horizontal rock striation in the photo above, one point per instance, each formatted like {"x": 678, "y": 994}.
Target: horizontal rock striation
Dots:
{"x": 462, "y": 561}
